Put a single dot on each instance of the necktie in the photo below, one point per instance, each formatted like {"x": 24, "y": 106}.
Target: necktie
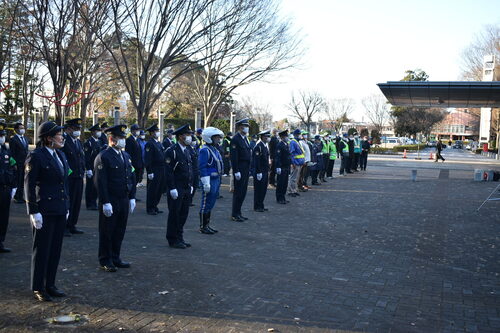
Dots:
{"x": 188, "y": 160}
{"x": 23, "y": 141}
{"x": 61, "y": 168}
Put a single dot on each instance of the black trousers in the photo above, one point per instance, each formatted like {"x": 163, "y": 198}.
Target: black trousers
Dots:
{"x": 439, "y": 156}
{"x": 112, "y": 230}
{"x": 20, "y": 182}
{"x": 178, "y": 211}
{"x": 314, "y": 176}
{"x": 322, "y": 172}
{"x": 240, "y": 189}
{"x": 90, "y": 193}
{"x": 47, "y": 244}
{"x": 355, "y": 164}
{"x": 363, "y": 160}
{"x": 329, "y": 168}
{"x": 75, "y": 186}
{"x": 139, "y": 173}
{"x": 4, "y": 210}
{"x": 155, "y": 189}
{"x": 282, "y": 184}
{"x": 227, "y": 165}
{"x": 344, "y": 164}
{"x": 272, "y": 173}
{"x": 260, "y": 190}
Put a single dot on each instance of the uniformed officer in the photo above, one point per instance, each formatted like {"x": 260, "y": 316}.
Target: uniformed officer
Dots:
{"x": 8, "y": 185}
{"x": 115, "y": 183}
{"x": 168, "y": 140}
{"x": 211, "y": 166}
{"x": 226, "y": 146}
{"x": 283, "y": 161}
{"x": 91, "y": 147}
{"x": 272, "y": 154}
{"x": 180, "y": 175}
{"x": 73, "y": 149}
{"x": 19, "y": 148}
{"x": 134, "y": 149}
{"x": 194, "y": 150}
{"x": 103, "y": 137}
{"x": 155, "y": 168}
{"x": 47, "y": 196}
{"x": 241, "y": 156}
{"x": 260, "y": 159}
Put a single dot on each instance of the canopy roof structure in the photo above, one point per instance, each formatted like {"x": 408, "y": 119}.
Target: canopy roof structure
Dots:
{"x": 442, "y": 94}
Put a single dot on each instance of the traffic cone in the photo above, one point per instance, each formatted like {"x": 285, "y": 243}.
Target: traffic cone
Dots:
{"x": 404, "y": 154}
{"x": 431, "y": 157}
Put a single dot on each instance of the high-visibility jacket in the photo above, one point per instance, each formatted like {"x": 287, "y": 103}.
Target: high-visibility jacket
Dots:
{"x": 296, "y": 152}
{"x": 325, "y": 146}
{"x": 332, "y": 149}
{"x": 357, "y": 145}
{"x": 345, "y": 149}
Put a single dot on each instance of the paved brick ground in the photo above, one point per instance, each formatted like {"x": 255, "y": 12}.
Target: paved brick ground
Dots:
{"x": 372, "y": 252}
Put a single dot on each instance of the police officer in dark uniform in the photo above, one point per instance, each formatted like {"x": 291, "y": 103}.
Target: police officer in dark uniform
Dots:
{"x": 167, "y": 141}
{"x": 180, "y": 175}
{"x": 103, "y": 137}
{"x": 19, "y": 148}
{"x": 91, "y": 147}
{"x": 272, "y": 154}
{"x": 282, "y": 160}
{"x": 261, "y": 170}
{"x": 73, "y": 149}
{"x": 134, "y": 149}
{"x": 47, "y": 196}
{"x": 8, "y": 184}
{"x": 115, "y": 183}
{"x": 241, "y": 155}
{"x": 155, "y": 168}
{"x": 226, "y": 146}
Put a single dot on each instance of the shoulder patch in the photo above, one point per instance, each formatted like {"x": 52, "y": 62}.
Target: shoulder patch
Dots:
{"x": 27, "y": 168}
{"x": 99, "y": 166}
{"x": 257, "y": 153}
{"x": 234, "y": 146}
{"x": 168, "y": 160}
{"x": 147, "y": 149}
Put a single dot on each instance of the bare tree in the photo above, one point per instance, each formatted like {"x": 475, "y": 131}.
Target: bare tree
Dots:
{"x": 338, "y": 112}
{"x": 258, "y": 112}
{"x": 377, "y": 110}
{"x": 486, "y": 42}
{"x": 251, "y": 43}
{"x": 305, "y": 106}
{"x": 9, "y": 11}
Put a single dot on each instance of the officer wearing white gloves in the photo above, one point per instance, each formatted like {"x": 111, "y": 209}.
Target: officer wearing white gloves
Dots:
{"x": 114, "y": 179}
{"x": 282, "y": 162}
{"x": 179, "y": 176}
{"x": 47, "y": 199}
{"x": 91, "y": 148}
{"x": 8, "y": 184}
{"x": 260, "y": 160}
{"x": 155, "y": 167}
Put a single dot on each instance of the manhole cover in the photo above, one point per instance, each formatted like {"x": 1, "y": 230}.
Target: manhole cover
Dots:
{"x": 69, "y": 319}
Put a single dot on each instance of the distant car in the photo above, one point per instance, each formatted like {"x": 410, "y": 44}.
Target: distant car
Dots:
{"x": 432, "y": 143}
{"x": 458, "y": 145}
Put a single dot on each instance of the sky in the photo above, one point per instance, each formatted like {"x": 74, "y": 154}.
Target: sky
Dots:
{"x": 351, "y": 45}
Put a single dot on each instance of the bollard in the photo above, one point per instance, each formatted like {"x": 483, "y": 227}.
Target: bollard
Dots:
{"x": 404, "y": 154}
{"x": 431, "y": 157}
{"x": 413, "y": 175}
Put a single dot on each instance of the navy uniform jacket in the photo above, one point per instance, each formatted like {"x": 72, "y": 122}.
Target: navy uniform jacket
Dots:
{"x": 134, "y": 149}
{"x": 194, "y": 159}
{"x": 8, "y": 168}
{"x": 261, "y": 158}
{"x": 104, "y": 140}
{"x": 154, "y": 156}
{"x": 92, "y": 148}
{"x": 283, "y": 158}
{"x": 74, "y": 154}
{"x": 167, "y": 143}
{"x": 45, "y": 187}
{"x": 272, "y": 147}
{"x": 180, "y": 168}
{"x": 114, "y": 177}
{"x": 18, "y": 149}
{"x": 240, "y": 152}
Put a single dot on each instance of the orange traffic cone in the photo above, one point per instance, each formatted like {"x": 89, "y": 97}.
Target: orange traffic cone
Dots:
{"x": 404, "y": 154}
{"x": 431, "y": 157}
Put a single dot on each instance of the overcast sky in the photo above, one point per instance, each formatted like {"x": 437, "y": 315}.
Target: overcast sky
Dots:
{"x": 353, "y": 45}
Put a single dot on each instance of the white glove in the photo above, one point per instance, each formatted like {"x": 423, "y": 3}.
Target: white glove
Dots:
{"x": 237, "y": 176}
{"x": 36, "y": 220}
{"x": 107, "y": 209}
{"x": 89, "y": 173}
{"x": 151, "y": 176}
{"x": 192, "y": 189}
{"x": 174, "y": 194}
{"x": 13, "y": 193}
{"x": 259, "y": 176}
{"x": 132, "y": 205}
{"x": 278, "y": 171}
{"x": 67, "y": 214}
{"x": 206, "y": 183}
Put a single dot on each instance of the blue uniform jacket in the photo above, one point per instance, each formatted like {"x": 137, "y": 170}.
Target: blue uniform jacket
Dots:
{"x": 75, "y": 156}
{"x": 45, "y": 187}
{"x": 180, "y": 172}
{"x": 210, "y": 161}
{"x": 283, "y": 158}
{"x": 296, "y": 150}
{"x": 154, "y": 157}
{"x": 92, "y": 148}
{"x": 240, "y": 152}
{"x": 134, "y": 149}
{"x": 260, "y": 158}
{"x": 8, "y": 168}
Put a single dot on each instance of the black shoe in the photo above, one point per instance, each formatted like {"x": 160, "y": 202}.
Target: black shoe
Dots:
{"x": 92, "y": 208}
{"x": 206, "y": 231}
{"x": 152, "y": 213}
{"x": 178, "y": 245}
{"x": 237, "y": 219}
{"x": 244, "y": 218}
{"x": 283, "y": 202}
{"x": 324, "y": 180}
{"x": 187, "y": 244}
{"x": 19, "y": 201}
{"x": 212, "y": 229}
{"x": 3, "y": 249}
{"x": 108, "y": 268}
{"x": 220, "y": 197}
{"x": 54, "y": 292}
{"x": 42, "y": 296}
{"x": 191, "y": 204}
{"x": 76, "y": 231}
{"x": 261, "y": 210}
{"x": 67, "y": 233}
{"x": 121, "y": 264}
{"x": 137, "y": 200}
{"x": 159, "y": 211}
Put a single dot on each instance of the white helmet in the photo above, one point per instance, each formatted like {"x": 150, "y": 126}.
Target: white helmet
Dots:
{"x": 209, "y": 132}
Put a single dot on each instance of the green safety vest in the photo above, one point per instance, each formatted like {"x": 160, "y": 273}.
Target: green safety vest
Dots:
{"x": 346, "y": 146}
{"x": 325, "y": 146}
{"x": 333, "y": 150}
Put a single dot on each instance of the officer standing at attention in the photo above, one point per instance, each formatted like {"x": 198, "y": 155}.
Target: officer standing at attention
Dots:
{"x": 241, "y": 155}
{"x": 272, "y": 153}
{"x": 155, "y": 168}
{"x": 47, "y": 196}
{"x": 8, "y": 184}
{"x": 19, "y": 148}
{"x": 91, "y": 147}
{"x": 210, "y": 167}
{"x": 134, "y": 149}
{"x": 73, "y": 149}
{"x": 226, "y": 145}
{"x": 103, "y": 137}
{"x": 283, "y": 161}
{"x": 168, "y": 140}
{"x": 180, "y": 175}
{"x": 260, "y": 159}
{"x": 115, "y": 183}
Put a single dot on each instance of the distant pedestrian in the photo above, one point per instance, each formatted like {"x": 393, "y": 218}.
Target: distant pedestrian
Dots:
{"x": 365, "y": 149}
{"x": 439, "y": 148}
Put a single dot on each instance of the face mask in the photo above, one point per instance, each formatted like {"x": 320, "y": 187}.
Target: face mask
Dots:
{"x": 285, "y": 139}
{"x": 120, "y": 143}
{"x": 246, "y": 130}
{"x": 136, "y": 133}
{"x": 2, "y": 140}
{"x": 143, "y": 137}
{"x": 157, "y": 134}
{"x": 305, "y": 137}
{"x": 268, "y": 140}
{"x": 76, "y": 134}
{"x": 22, "y": 131}
{"x": 98, "y": 134}
{"x": 188, "y": 140}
